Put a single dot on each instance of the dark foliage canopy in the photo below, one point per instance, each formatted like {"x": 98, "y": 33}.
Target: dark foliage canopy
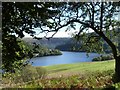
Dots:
{"x": 18, "y": 18}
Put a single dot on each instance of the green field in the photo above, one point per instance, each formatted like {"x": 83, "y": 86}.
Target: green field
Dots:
{"x": 77, "y": 75}
{"x": 79, "y": 68}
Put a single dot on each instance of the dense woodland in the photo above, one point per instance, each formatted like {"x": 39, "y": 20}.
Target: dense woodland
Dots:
{"x": 66, "y": 44}
{"x": 40, "y": 50}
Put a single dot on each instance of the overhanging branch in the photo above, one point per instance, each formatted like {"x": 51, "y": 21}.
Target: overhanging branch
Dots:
{"x": 71, "y": 21}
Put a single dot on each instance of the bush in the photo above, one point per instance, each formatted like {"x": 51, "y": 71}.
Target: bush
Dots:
{"x": 94, "y": 80}
{"x": 117, "y": 85}
{"x": 103, "y": 57}
{"x": 28, "y": 73}
{"x": 41, "y": 72}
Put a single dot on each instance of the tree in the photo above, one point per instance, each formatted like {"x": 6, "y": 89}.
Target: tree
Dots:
{"x": 97, "y": 16}
{"x": 18, "y": 18}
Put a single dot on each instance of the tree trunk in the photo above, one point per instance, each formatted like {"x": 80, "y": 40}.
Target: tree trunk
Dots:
{"x": 117, "y": 69}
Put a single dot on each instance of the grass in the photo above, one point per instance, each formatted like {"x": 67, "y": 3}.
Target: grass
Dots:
{"x": 77, "y": 75}
{"x": 95, "y": 80}
{"x": 79, "y": 68}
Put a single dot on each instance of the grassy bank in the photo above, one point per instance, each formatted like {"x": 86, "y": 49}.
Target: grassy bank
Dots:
{"x": 78, "y": 75}
{"x": 79, "y": 68}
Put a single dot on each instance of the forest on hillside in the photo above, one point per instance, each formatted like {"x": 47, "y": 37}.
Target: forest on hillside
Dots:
{"x": 66, "y": 44}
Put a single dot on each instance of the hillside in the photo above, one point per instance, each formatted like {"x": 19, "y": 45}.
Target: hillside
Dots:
{"x": 63, "y": 44}
{"x": 51, "y": 43}
{"x": 79, "y": 68}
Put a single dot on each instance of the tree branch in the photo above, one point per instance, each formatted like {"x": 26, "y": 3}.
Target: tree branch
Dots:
{"x": 71, "y": 21}
{"x": 109, "y": 42}
{"x": 101, "y": 16}
{"x": 92, "y": 23}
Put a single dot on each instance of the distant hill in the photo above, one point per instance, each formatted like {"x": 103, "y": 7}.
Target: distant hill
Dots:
{"x": 66, "y": 44}
{"x": 71, "y": 45}
{"x": 51, "y": 43}
{"x": 63, "y": 44}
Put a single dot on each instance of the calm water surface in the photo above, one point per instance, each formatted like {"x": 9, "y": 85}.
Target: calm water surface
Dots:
{"x": 65, "y": 58}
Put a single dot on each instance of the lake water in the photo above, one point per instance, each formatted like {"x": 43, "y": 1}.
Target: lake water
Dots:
{"x": 65, "y": 58}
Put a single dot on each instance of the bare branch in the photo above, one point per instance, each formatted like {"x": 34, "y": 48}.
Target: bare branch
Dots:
{"x": 92, "y": 22}
{"x": 89, "y": 11}
{"x": 101, "y": 17}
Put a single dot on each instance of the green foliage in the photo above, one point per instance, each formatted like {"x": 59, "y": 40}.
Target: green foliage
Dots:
{"x": 119, "y": 43}
{"x": 13, "y": 50}
{"x": 55, "y": 52}
{"x": 26, "y": 74}
{"x": 90, "y": 42}
{"x": 18, "y": 18}
{"x": 70, "y": 45}
{"x": 95, "y": 80}
{"x": 117, "y": 85}
{"x": 103, "y": 57}
{"x": 44, "y": 51}
{"x": 41, "y": 72}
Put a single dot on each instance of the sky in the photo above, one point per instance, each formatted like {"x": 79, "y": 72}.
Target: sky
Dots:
{"x": 61, "y": 32}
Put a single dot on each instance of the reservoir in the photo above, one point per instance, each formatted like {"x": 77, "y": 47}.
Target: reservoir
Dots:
{"x": 65, "y": 58}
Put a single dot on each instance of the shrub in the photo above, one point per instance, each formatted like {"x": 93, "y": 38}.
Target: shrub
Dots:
{"x": 41, "y": 72}
{"x": 117, "y": 85}
{"x": 27, "y": 73}
{"x": 103, "y": 57}
{"x": 96, "y": 80}
{"x": 30, "y": 73}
